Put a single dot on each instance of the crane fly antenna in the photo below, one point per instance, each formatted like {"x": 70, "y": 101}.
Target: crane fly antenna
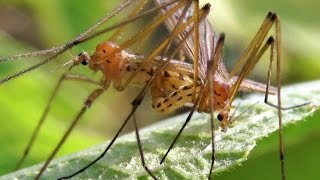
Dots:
{"x": 79, "y": 39}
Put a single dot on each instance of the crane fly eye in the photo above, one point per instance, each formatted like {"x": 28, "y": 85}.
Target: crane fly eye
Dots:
{"x": 220, "y": 117}
{"x": 85, "y": 62}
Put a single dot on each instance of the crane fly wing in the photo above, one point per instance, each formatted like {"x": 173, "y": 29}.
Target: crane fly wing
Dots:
{"x": 207, "y": 41}
{"x": 171, "y": 23}
{"x": 248, "y": 85}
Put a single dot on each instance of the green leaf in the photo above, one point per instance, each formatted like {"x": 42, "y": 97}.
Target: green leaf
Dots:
{"x": 190, "y": 158}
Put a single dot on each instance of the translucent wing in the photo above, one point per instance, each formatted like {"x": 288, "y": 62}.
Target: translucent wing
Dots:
{"x": 207, "y": 40}
{"x": 248, "y": 85}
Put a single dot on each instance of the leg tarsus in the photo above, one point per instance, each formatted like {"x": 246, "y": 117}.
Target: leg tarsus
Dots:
{"x": 140, "y": 149}
{"x": 178, "y": 135}
{"x": 134, "y": 108}
{"x": 286, "y": 108}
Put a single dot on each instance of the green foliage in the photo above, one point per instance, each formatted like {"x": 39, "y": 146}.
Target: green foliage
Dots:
{"x": 55, "y": 22}
{"x": 191, "y": 156}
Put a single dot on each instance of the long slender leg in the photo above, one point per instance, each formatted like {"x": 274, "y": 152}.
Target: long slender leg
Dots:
{"x": 135, "y": 104}
{"x": 91, "y": 98}
{"x": 140, "y": 148}
{"x": 213, "y": 68}
{"x": 211, "y": 126}
{"x": 278, "y": 106}
{"x": 134, "y": 13}
{"x": 87, "y": 35}
{"x": 187, "y": 120}
{"x": 216, "y": 55}
{"x": 248, "y": 58}
{"x": 275, "y": 44}
{"x": 252, "y": 56}
{"x": 179, "y": 133}
{"x": 176, "y": 29}
{"x": 47, "y": 109}
{"x": 189, "y": 116}
{"x": 260, "y": 35}
{"x": 278, "y": 50}
{"x": 212, "y": 131}
{"x": 272, "y": 58}
{"x": 204, "y": 11}
{"x": 271, "y": 42}
{"x": 196, "y": 48}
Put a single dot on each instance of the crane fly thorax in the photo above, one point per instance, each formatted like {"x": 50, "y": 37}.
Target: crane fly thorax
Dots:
{"x": 109, "y": 58}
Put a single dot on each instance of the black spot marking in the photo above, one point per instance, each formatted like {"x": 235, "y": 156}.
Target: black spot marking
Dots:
{"x": 167, "y": 74}
{"x": 180, "y": 98}
{"x": 189, "y": 94}
{"x": 150, "y": 72}
{"x": 174, "y": 94}
{"x": 173, "y": 86}
{"x": 108, "y": 61}
{"x": 142, "y": 70}
{"x": 216, "y": 93}
{"x": 169, "y": 105}
{"x": 104, "y": 51}
{"x": 186, "y": 87}
{"x": 218, "y": 103}
{"x": 166, "y": 100}
{"x": 162, "y": 110}
{"x": 158, "y": 105}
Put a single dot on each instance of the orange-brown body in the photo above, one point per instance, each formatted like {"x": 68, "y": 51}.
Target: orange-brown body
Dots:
{"x": 171, "y": 89}
{"x": 108, "y": 58}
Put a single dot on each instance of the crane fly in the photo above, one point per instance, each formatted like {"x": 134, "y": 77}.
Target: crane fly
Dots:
{"x": 111, "y": 73}
{"x": 204, "y": 83}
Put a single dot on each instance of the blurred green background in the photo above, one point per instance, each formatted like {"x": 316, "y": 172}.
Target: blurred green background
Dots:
{"x": 27, "y": 25}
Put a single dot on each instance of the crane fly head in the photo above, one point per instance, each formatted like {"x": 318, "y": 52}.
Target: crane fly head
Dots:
{"x": 82, "y": 58}
{"x": 223, "y": 117}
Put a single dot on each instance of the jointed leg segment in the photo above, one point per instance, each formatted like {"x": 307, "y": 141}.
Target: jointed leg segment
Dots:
{"x": 64, "y": 77}
{"x": 91, "y": 98}
{"x": 140, "y": 148}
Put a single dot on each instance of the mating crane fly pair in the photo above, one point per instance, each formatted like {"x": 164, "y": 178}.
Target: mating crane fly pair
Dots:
{"x": 203, "y": 82}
